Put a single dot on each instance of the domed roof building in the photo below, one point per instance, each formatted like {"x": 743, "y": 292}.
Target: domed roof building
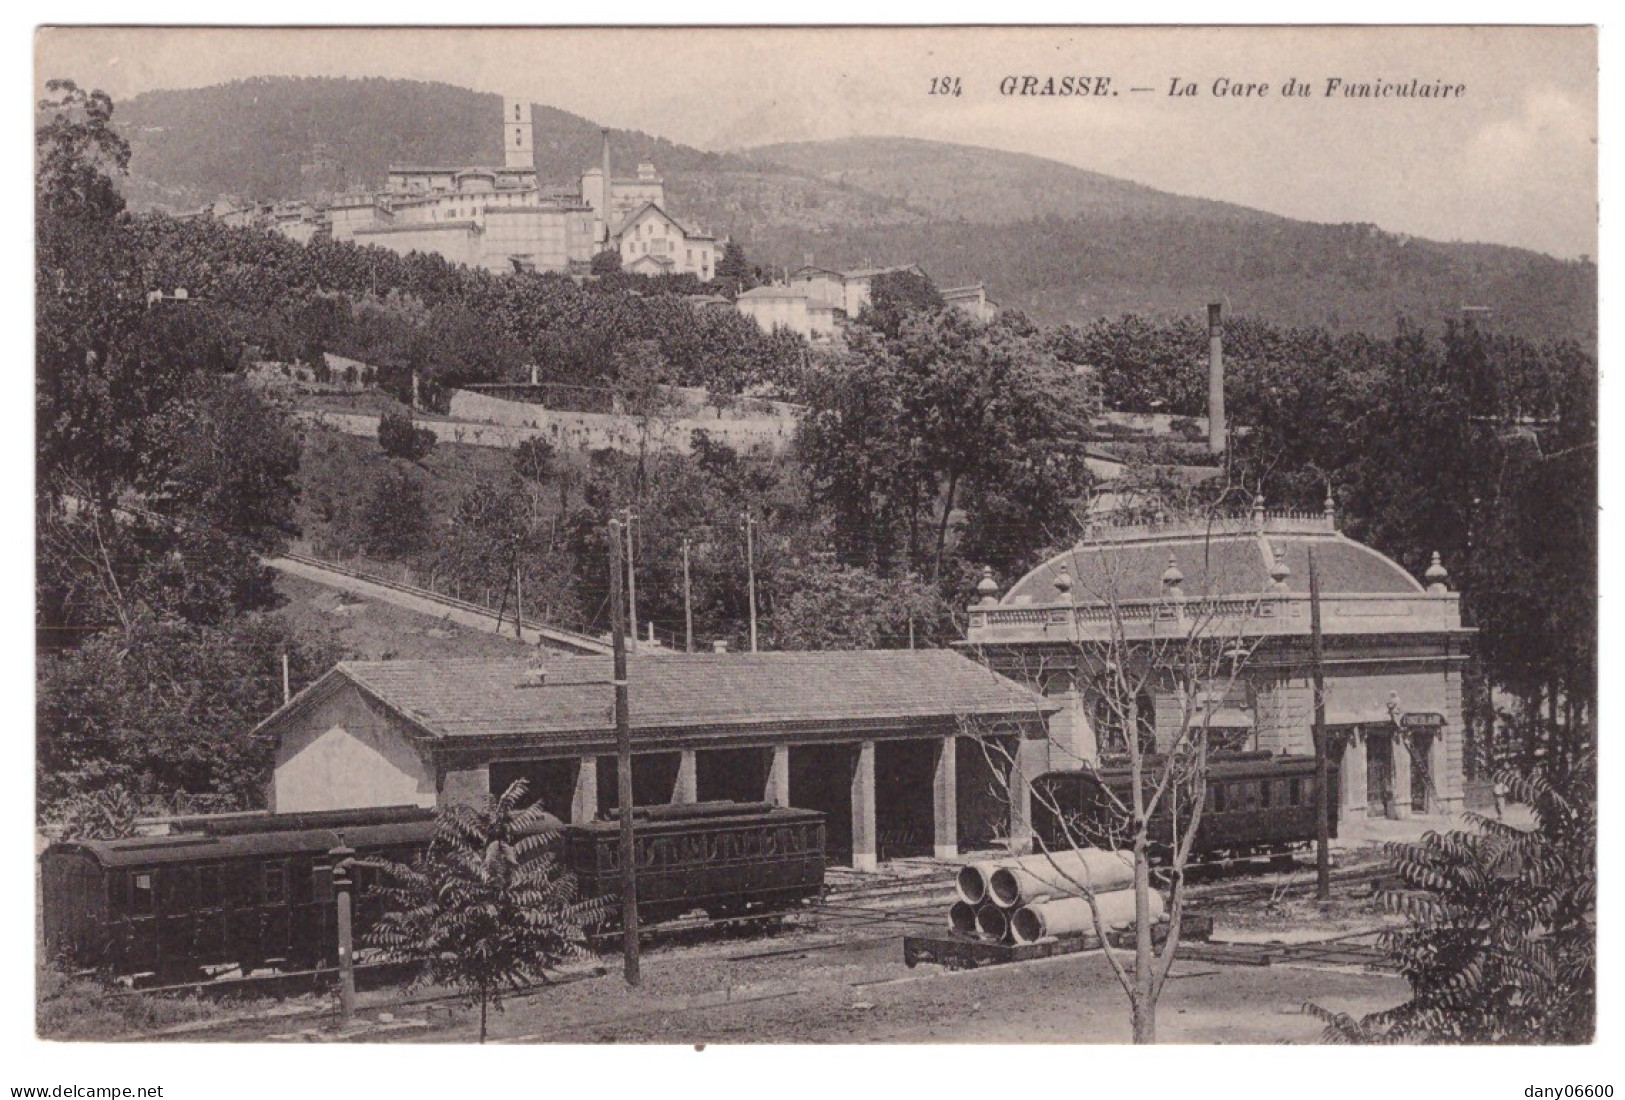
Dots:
{"x": 1220, "y": 606}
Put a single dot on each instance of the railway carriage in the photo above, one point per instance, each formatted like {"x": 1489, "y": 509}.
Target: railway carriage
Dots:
{"x": 1256, "y": 803}
{"x": 257, "y": 891}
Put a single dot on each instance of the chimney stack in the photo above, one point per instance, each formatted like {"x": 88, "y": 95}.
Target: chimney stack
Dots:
{"x": 609, "y": 197}
{"x": 1215, "y": 380}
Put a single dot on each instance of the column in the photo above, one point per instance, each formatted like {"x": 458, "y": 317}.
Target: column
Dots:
{"x": 1402, "y": 774}
{"x": 1352, "y": 778}
{"x": 470, "y": 786}
{"x": 686, "y": 789}
{"x": 1446, "y": 782}
{"x": 864, "y": 854}
{"x": 945, "y": 800}
{"x": 1032, "y": 758}
{"x": 778, "y": 776}
{"x": 584, "y": 802}
{"x": 1072, "y": 743}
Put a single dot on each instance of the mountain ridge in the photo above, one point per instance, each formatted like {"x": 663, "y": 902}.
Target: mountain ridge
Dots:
{"x": 1057, "y": 241}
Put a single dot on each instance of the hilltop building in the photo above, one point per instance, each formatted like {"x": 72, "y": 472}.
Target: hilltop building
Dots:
{"x": 815, "y": 302}
{"x": 652, "y": 242}
{"x": 1394, "y": 650}
{"x": 501, "y": 217}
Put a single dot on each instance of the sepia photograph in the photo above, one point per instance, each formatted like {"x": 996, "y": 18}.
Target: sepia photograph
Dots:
{"x": 801, "y": 535}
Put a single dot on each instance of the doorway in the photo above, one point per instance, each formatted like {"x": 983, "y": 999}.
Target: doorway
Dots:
{"x": 1421, "y": 747}
{"x": 1379, "y": 774}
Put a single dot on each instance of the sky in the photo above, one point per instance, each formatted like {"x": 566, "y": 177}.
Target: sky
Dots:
{"x": 1511, "y": 161}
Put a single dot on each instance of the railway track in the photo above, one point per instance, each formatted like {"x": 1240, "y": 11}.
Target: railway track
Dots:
{"x": 571, "y": 640}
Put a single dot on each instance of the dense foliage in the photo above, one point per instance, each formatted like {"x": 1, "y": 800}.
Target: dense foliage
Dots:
{"x": 487, "y": 909}
{"x": 1501, "y": 943}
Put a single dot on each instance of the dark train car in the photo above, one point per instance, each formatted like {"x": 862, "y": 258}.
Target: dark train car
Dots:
{"x": 177, "y": 905}
{"x": 1256, "y": 804}
{"x": 726, "y": 858}
{"x": 224, "y": 896}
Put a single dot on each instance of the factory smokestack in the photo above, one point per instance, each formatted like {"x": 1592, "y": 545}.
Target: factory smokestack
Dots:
{"x": 609, "y": 190}
{"x": 1215, "y": 380}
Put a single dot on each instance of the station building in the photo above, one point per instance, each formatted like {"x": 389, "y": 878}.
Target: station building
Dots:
{"x": 1393, "y": 651}
{"x": 906, "y": 751}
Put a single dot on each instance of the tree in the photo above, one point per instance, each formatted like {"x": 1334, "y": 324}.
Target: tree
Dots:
{"x": 165, "y": 708}
{"x": 1500, "y": 944}
{"x": 607, "y": 262}
{"x": 1150, "y": 672}
{"x": 79, "y": 152}
{"x": 833, "y": 606}
{"x": 486, "y": 909}
{"x": 395, "y": 515}
{"x": 401, "y": 438}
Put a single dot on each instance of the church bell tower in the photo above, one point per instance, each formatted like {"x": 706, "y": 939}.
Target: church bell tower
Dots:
{"x": 517, "y": 137}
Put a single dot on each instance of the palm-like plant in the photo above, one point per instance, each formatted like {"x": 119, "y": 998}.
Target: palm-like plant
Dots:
{"x": 1501, "y": 941}
{"x": 487, "y": 909}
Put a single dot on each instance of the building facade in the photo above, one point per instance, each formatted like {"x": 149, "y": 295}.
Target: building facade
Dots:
{"x": 790, "y": 308}
{"x": 662, "y": 245}
{"x": 1394, "y": 650}
{"x": 900, "y": 748}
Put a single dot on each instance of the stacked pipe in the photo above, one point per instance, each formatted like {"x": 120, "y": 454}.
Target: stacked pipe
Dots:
{"x": 1034, "y": 897}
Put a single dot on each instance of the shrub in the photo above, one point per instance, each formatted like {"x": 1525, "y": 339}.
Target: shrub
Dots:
{"x": 401, "y": 438}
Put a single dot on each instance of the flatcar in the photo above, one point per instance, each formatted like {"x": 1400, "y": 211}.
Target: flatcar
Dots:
{"x": 1256, "y": 804}
{"x": 252, "y": 893}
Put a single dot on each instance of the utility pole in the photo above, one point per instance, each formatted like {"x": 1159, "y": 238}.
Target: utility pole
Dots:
{"x": 342, "y": 883}
{"x": 688, "y": 604}
{"x": 287, "y": 694}
{"x": 518, "y": 603}
{"x": 1323, "y": 857}
{"x": 623, "y": 763}
{"x": 750, "y": 572}
{"x": 631, "y": 580}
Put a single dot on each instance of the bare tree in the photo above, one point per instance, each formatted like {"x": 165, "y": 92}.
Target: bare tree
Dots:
{"x": 1156, "y": 679}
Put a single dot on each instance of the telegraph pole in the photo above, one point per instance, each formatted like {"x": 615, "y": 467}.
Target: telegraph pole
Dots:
{"x": 287, "y": 694}
{"x": 343, "y": 884}
{"x": 688, "y": 604}
{"x": 750, "y": 572}
{"x": 1323, "y": 858}
{"x": 518, "y": 603}
{"x": 623, "y": 763}
{"x": 631, "y": 580}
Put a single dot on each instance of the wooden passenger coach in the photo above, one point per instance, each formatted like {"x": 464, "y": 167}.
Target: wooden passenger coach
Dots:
{"x": 726, "y": 858}
{"x": 1257, "y": 803}
{"x": 225, "y": 896}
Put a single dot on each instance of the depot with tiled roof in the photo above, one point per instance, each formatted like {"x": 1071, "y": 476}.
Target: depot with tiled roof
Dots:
{"x": 875, "y": 739}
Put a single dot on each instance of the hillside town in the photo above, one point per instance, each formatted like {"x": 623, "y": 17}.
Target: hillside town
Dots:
{"x": 479, "y": 589}
{"x": 504, "y": 219}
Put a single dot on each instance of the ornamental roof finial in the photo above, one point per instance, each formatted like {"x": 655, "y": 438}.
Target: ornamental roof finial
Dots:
{"x": 987, "y": 587}
{"x": 1258, "y": 509}
{"x": 1280, "y": 571}
{"x": 1172, "y": 578}
{"x": 1437, "y": 575}
{"x": 1063, "y": 583}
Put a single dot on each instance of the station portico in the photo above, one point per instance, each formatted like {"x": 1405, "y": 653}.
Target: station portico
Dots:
{"x": 1394, "y": 649}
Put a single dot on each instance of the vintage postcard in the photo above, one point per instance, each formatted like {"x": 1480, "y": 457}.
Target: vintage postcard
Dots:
{"x": 806, "y": 535}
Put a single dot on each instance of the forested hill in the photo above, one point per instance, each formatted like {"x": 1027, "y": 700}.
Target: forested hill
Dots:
{"x": 1059, "y": 242}
{"x": 284, "y": 137}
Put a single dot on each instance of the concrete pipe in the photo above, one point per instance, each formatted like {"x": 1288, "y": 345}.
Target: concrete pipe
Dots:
{"x": 962, "y": 918}
{"x": 1031, "y": 923}
{"x": 993, "y": 923}
{"x": 1059, "y": 875}
{"x": 971, "y": 882}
